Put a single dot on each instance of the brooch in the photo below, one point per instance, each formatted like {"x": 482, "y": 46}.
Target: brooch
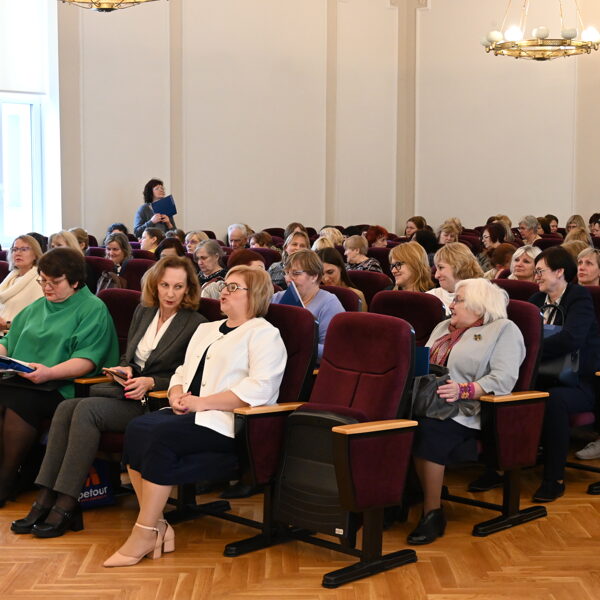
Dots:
{"x": 477, "y": 337}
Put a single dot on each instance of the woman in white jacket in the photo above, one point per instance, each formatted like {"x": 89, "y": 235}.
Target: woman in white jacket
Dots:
{"x": 229, "y": 364}
{"x": 19, "y": 289}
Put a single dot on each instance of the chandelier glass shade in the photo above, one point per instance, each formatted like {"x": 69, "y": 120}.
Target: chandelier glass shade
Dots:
{"x": 105, "y": 5}
{"x": 512, "y": 42}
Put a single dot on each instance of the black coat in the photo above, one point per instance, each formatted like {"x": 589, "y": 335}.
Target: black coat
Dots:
{"x": 579, "y": 330}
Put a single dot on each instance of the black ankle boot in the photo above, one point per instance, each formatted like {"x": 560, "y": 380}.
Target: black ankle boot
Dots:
{"x": 430, "y": 527}
{"x": 36, "y": 515}
{"x": 72, "y": 519}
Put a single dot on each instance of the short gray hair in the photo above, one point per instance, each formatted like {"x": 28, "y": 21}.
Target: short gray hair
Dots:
{"x": 484, "y": 298}
{"x": 211, "y": 246}
{"x": 235, "y": 226}
{"x": 530, "y": 222}
{"x": 531, "y": 251}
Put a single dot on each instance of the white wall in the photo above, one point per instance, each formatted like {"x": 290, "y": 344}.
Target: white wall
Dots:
{"x": 268, "y": 111}
{"x": 495, "y": 134}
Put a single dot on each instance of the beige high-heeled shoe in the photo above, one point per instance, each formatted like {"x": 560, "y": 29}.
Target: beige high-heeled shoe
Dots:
{"x": 168, "y": 537}
{"x": 121, "y": 560}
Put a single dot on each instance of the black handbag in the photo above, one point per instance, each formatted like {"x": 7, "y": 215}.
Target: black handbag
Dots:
{"x": 427, "y": 403}
{"x": 562, "y": 369}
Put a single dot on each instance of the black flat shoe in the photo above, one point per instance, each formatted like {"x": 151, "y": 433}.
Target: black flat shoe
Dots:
{"x": 430, "y": 527}
{"x": 239, "y": 490}
{"x": 549, "y": 491}
{"x": 72, "y": 520}
{"x": 487, "y": 481}
{"x": 37, "y": 514}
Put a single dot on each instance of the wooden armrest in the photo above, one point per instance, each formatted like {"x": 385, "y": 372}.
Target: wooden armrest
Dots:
{"x": 315, "y": 372}
{"x": 92, "y": 380}
{"x": 159, "y": 394}
{"x": 373, "y": 426}
{"x": 513, "y": 397}
{"x": 269, "y": 408}
{"x": 597, "y": 373}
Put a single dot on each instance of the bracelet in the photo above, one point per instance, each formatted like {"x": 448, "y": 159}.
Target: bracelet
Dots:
{"x": 466, "y": 391}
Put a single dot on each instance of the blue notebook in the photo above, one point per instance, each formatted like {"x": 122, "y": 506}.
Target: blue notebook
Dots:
{"x": 291, "y": 296}
{"x": 10, "y": 365}
{"x": 164, "y": 206}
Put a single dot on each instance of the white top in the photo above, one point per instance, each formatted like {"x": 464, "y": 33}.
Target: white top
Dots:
{"x": 444, "y": 296}
{"x": 249, "y": 361}
{"x": 150, "y": 340}
{"x": 18, "y": 292}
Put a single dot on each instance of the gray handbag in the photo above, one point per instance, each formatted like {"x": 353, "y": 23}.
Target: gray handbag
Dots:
{"x": 427, "y": 403}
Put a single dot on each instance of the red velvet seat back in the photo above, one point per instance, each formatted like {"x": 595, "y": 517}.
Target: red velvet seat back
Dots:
{"x": 137, "y": 253}
{"x": 422, "y": 311}
{"x": 211, "y": 234}
{"x": 527, "y": 318}
{"x": 134, "y": 271}
{"x": 369, "y": 283}
{"x": 349, "y": 299}
{"x": 3, "y": 270}
{"x": 366, "y": 364}
{"x": 517, "y": 290}
{"x": 92, "y": 241}
{"x": 98, "y": 264}
{"x": 121, "y": 305}
{"x": 278, "y": 231}
{"x": 383, "y": 256}
{"x": 547, "y": 242}
{"x": 211, "y": 309}
{"x": 96, "y": 251}
{"x": 269, "y": 255}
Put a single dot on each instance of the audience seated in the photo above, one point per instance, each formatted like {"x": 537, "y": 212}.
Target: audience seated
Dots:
{"x": 552, "y": 223}
{"x": 178, "y": 234}
{"x": 523, "y": 263}
{"x": 448, "y": 232}
{"x": 413, "y": 225}
{"x": 453, "y": 262}
{"x": 64, "y": 239}
{"x": 247, "y": 361}
{"x": 334, "y": 234}
{"x": 118, "y": 227}
{"x": 575, "y": 247}
{"x": 580, "y": 234}
{"x": 20, "y": 288}
{"x": 242, "y": 256}
{"x": 170, "y": 246}
{"x": 208, "y": 255}
{"x": 151, "y": 238}
{"x": 377, "y": 236}
{"x": 295, "y": 241}
{"x": 334, "y": 273}
{"x": 410, "y": 268}
{"x": 118, "y": 250}
{"x": 355, "y": 249}
{"x": 261, "y": 239}
{"x": 192, "y": 239}
{"x": 237, "y": 236}
{"x": 82, "y": 237}
{"x": 528, "y": 229}
{"x": 575, "y": 221}
{"x": 493, "y": 235}
{"x": 482, "y": 350}
{"x": 160, "y": 330}
{"x": 588, "y": 267}
{"x": 500, "y": 260}
{"x": 67, "y": 334}
{"x": 305, "y": 269}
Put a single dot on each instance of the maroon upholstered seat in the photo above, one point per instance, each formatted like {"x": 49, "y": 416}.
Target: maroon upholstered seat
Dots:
{"x": 135, "y": 245}
{"x": 98, "y": 264}
{"x": 349, "y": 299}
{"x": 278, "y": 231}
{"x": 121, "y": 305}
{"x": 211, "y": 234}
{"x": 369, "y": 283}
{"x": 548, "y": 242}
{"x": 211, "y": 309}
{"x": 92, "y": 241}
{"x": 4, "y": 255}
{"x": 517, "y": 290}
{"x": 345, "y": 476}
{"x": 383, "y": 256}
{"x": 3, "y": 270}
{"x": 422, "y": 311}
{"x": 134, "y": 270}
{"x": 269, "y": 255}
{"x": 137, "y": 253}
{"x": 96, "y": 251}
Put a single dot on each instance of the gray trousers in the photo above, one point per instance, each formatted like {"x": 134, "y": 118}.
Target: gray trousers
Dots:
{"x": 74, "y": 437}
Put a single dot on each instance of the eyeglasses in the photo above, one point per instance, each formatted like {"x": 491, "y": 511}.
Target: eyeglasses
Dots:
{"x": 294, "y": 273}
{"x": 456, "y": 301}
{"x": 539, "y": 272}
{"x": 396, "y": 265}
{"x": 47, "y": 282}
{"x": 485, "y": 236}
{"x": 16, "y": 249}
{"x": 231, "y": 287}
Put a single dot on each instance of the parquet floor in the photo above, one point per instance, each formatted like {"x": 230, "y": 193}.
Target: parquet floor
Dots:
{"x": 557, "y": 558}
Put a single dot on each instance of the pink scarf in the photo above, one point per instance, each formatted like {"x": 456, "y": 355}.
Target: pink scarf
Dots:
{"x": 440, "y": 350}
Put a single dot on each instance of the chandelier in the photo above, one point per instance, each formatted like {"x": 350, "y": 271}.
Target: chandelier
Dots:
{"x": 105, "y": 5}
{"x": 512, "y": 42}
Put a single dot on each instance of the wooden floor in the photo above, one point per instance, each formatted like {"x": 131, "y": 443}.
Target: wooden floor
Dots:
{"x": 554, "y": 558}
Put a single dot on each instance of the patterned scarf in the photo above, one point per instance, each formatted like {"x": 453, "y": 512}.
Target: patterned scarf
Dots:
{"x": 440, "y": 350}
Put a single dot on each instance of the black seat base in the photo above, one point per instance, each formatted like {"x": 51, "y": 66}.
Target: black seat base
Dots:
{"x": 507, "y": 521}
{"x": 594, "y": 488}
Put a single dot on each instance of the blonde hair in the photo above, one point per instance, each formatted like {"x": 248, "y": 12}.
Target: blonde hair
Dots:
{"x": 460, "y": 259}
{"x": 357, "y": 242}
{"x": 414, "y": 255}
{"x": 483, "y": 298}
{"x": 82, "y": 236}
{"x": 588, "y": 252}
{"x": 34, "y": 245}
{"x": 577, "y": 220}
{"x": 202, "y": 237}
{"x": 334, "y": 234}
{"x": 68, "y": 238}
{"x": 290, "y": 238}
{"x": 260, "y": 288}
{"x": 579, "y": 233}
{"x": 322, "y": 242}
{"x": 450, "y": 227}
{"x": 153, "y": 276}
{"x": 576, "y": 248}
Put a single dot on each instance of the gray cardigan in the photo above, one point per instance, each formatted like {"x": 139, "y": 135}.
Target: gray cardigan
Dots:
{"x": 170, "y": 350}
{"x": 489, "y": 355}
{"x": 143, "y": 219}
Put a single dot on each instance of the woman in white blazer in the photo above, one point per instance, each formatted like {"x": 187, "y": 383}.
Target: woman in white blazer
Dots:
{"x": 20, "y": 288}
{"x": 229, "y": 364}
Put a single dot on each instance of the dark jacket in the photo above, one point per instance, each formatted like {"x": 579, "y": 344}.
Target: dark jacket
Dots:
{"x": 579, "y": 330}
{"x": 170, "y": 351}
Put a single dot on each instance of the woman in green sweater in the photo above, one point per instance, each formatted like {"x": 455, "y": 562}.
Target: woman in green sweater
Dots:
{"x": 66, "y": 334}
